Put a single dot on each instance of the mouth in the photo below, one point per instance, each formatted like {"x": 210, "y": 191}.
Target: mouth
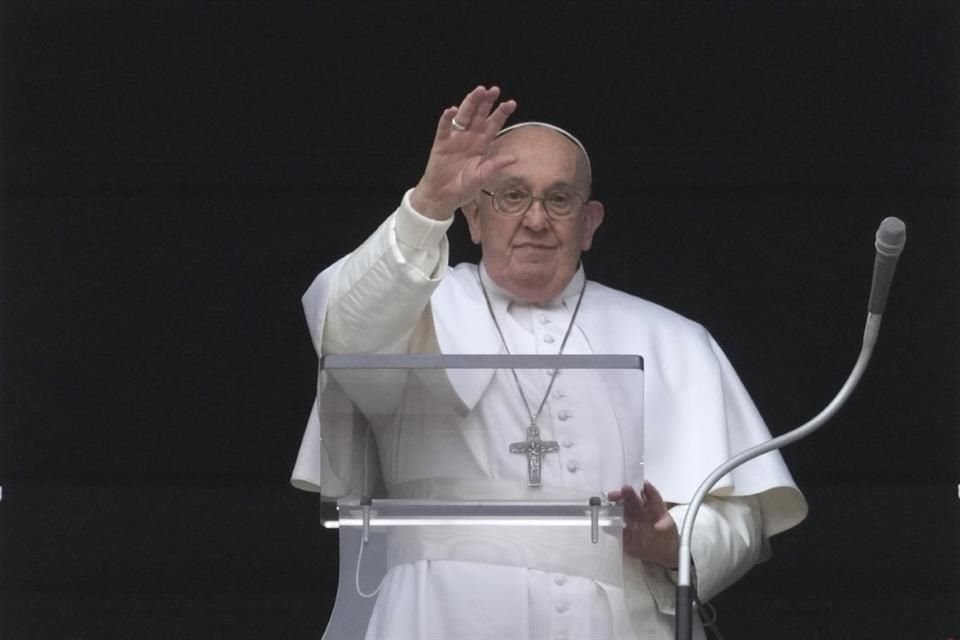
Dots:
{"x": 535, "y": 245}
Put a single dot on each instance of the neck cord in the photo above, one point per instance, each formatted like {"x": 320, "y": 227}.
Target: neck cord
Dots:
{"x": 563, "y": 343}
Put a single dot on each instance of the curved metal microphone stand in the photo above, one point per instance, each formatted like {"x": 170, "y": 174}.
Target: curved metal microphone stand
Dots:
{"x": 685, "y": 592}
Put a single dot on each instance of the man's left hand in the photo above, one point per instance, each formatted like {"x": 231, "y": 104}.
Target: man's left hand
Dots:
{"x": 650, "y": 533}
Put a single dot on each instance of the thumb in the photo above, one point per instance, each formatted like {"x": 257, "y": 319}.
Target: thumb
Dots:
{"x": 489, "y": 167}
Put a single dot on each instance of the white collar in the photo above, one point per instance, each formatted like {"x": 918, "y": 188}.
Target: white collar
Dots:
{"x": 500, "y": 298}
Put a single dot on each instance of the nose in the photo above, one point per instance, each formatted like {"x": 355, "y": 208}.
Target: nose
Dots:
{"x": 536, "y": 217}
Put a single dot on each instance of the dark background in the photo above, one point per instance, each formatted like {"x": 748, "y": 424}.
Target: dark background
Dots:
{"x": 176, "y": 172}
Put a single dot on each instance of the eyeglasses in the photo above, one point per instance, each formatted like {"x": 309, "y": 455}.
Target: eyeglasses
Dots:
{"x": 514, "y": 202}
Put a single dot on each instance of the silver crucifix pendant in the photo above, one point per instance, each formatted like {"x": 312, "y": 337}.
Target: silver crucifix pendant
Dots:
{"x": 534, "y": 448}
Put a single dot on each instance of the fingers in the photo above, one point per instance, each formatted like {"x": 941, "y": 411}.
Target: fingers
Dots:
{"x": 630, "y": 496}
{"x": 460, "y": 118}
{"x": 492, "y": 165}
{"x": 646, "y": 505}
{"x": 445, "y": 126}
{"x": 477, "y": 113}
{"x": 499, "y": 116}
{"x": 624, "y": 493}
{"x": 653, "y": 497}
{"x": 650, "y": 533}
{"x": 476, "y": 105}
{"x": 666, "y": 525}
{"x": 474, "y": 115}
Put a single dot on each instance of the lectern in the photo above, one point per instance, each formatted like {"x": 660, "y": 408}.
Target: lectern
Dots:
{"x": 468, "y": 471}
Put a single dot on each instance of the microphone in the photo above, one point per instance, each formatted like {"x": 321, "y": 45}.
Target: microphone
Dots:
{"x": 891, "y": 236}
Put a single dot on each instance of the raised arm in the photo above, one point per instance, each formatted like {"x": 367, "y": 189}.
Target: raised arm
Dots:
{"x": 459, "y": 163}
{"x": 375, "y": 299}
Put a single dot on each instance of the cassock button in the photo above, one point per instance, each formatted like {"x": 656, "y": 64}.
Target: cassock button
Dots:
{"x": 548, "y": 339}
{"x": 573, "y": 466}
{"x": 567, "y": 444}
{"x": 542, "y": 319}
{"x": 559, "y": 394}
{"x": 562, "y": 607}
{"x": 559, "y": 580}
{"x": 564, "y": 415}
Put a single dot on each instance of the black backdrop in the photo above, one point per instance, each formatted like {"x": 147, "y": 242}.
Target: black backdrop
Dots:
{"x": 175, "y": 172}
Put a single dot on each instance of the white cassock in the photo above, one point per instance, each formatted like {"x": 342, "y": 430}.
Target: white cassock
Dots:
{"x": 395, "y": 294}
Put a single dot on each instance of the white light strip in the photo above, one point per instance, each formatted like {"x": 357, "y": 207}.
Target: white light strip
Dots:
{"x": 460, "y": 522}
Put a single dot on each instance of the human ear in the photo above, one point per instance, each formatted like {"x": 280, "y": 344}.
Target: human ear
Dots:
{"x": 471, "y": 211}
{"x": 592, "y": 218}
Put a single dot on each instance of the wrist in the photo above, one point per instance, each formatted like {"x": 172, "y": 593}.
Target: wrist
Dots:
{"x": 428, "y": 207}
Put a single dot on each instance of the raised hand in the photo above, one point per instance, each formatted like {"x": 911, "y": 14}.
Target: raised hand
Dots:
{"x": 650, "y": 533}
{"x": 459, "y": 163}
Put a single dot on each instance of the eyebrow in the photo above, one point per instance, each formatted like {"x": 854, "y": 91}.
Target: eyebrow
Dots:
{"x": 559, "y": 184}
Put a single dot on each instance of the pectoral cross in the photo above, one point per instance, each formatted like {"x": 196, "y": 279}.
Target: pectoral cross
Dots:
{"x": 534, "y": 448}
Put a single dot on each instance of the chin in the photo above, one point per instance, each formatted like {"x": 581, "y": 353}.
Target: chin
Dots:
{"x": 537, "y": 286}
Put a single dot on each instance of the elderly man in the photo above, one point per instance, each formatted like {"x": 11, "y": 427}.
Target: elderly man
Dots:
{"x": 525, "y": 193}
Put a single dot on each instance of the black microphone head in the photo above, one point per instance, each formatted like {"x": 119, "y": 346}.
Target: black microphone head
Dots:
{"x": 891, "y": 236}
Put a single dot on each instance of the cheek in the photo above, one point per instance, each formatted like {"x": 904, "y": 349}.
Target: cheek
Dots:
{"x": 574, "y": 239}
{"x": 585, "y": 242}
{"x": 585, "y": 237}
{"x": 500, "y": 233}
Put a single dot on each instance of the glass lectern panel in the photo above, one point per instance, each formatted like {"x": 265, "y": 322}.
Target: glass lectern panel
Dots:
{"x": 475, "y": 505}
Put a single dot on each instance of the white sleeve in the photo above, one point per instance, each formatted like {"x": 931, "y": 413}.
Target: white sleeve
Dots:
{"x": 727, "y": 541}
{"x": 380, "y": 292}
